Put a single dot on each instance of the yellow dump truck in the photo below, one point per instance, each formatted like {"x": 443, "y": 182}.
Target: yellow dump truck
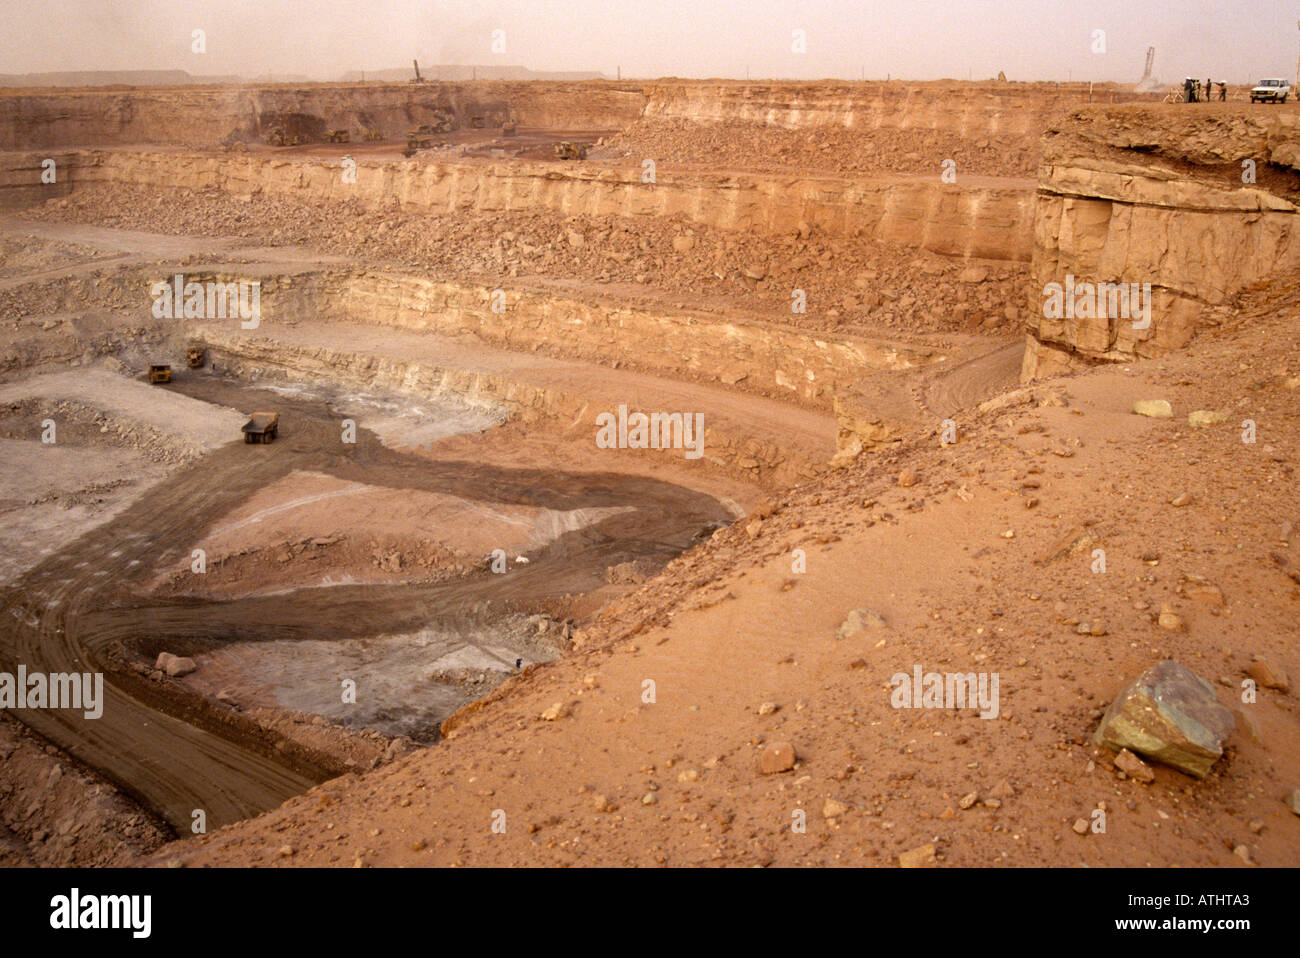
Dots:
{"x": 416, "y": 141}
{"x": 261, "y": 427}
{"x": 160, "y": 373}
{"x": 565, "y": 150}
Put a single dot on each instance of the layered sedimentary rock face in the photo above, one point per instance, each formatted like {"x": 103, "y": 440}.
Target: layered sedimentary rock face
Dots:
{"x": 1184, "y": 208}
{"x": 205, "y": 117}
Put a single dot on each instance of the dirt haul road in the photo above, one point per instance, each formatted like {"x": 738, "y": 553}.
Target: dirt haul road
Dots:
{"x": 69, "y": 612}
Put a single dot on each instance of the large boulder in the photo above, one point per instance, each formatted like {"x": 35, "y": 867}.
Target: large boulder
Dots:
{"x": 175, "y": 665}
{"x": 1171, "y": 715}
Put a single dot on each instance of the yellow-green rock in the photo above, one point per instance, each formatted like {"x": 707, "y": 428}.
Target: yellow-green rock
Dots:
{"x": 1155, "y": 408}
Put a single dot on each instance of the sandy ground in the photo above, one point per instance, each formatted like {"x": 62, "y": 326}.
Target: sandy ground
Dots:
{"x": 51, "y": 496}
{"x": 66, "y": 246}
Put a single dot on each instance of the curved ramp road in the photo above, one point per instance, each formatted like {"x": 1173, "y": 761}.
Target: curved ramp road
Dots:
{"x": 969, "y": 383}
{"x": 62, "y": 615}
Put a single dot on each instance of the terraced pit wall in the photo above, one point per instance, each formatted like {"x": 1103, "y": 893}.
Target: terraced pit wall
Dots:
{"x": 780, "y": 362}
{"x": 980, "y": 220}
{"x": 206, "y": 117}
{"x": 966, "y": 110}
{"x": 956, "y": 220}
{"x": 727, "y": 446}
{"x": 202, "y": 117}
{"x": 767, "y": 359}
{"x": 25, "y": 178}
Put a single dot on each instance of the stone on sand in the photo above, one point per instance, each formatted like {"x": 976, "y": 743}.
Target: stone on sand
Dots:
{"x": 1154, "y": 408}
{"x": 777, "y": 757}
{"x": 1171, "y": 715}
{"x": 175, "y": 665}
{"x": 922, "y": 857}
{"x": 859, "y": 621}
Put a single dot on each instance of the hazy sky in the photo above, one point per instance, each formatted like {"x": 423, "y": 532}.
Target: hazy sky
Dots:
{"x": 920, "y": 39}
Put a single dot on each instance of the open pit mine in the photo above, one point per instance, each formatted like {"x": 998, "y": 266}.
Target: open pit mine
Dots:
{"x": 633, "y": 465}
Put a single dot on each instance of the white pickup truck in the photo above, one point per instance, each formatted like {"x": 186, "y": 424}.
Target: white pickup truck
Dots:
{"x": 1270, "y": 91}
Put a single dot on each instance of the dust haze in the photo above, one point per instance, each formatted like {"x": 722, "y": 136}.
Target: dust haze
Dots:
{"x": 1239, "y": 40}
